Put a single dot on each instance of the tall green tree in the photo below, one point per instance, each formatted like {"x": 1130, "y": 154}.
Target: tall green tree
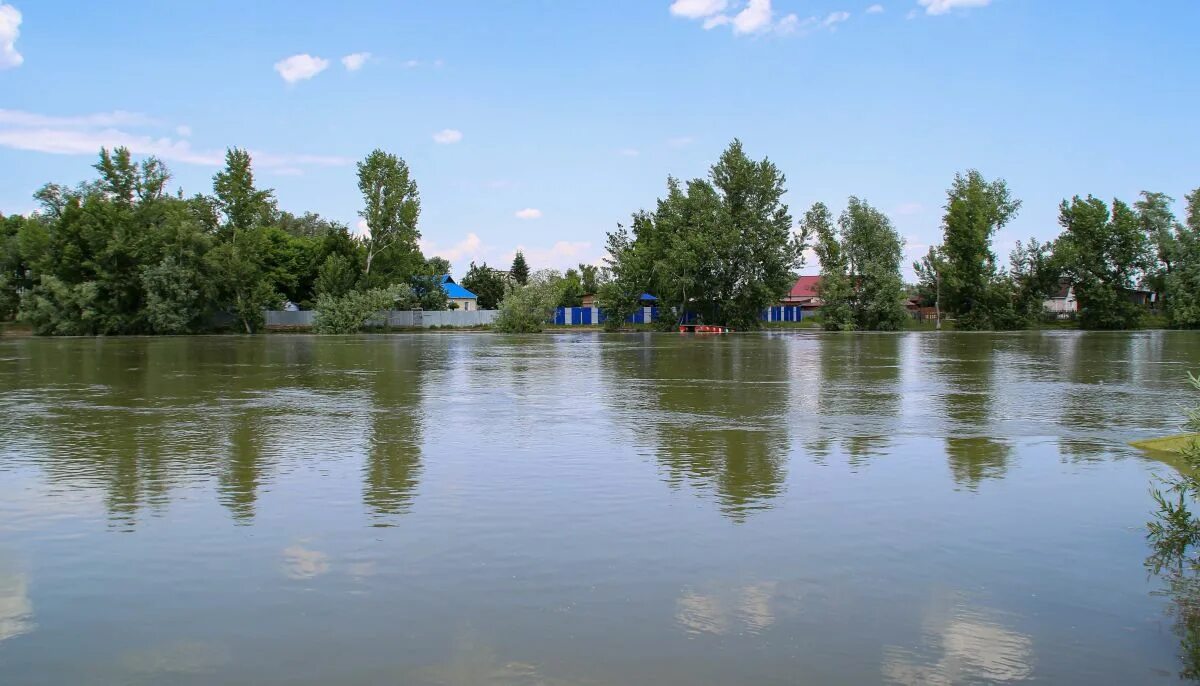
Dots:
{"x": 242, "y": 204}
{"x": 975, "y": 209}
{"x": 1158, "y": 222}
{"x": 1034, "y": 273}
{"x": 835, "y": 287}
{"x": 1105, "y": 254}
{"x": 589, "y": 278}
{"x": 722, "y": 247}
{"x": 873, "y": 250}
{"x": 1183, "y": 281}
{"x": 241, "y": 259}
{"x": 487, "y": 284}
{"x": 929, "y": 270}
{"x": 392, "y": 206}
{"x": 520, "y": 269}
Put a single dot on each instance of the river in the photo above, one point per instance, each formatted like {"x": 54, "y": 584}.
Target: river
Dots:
{"x": 585, "y": 509}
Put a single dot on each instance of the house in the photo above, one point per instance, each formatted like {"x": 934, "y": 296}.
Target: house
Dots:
{"x": 466, "y": 300}
{"x": 1062, "y": 302}
{"x": 805, "y": 294}
{"x": 589, "y": 300}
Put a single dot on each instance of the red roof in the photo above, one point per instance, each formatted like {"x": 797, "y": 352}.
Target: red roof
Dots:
{"x": 805, "y": 287}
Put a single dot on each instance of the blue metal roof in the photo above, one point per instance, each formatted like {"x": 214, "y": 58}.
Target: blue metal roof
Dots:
{"x": 647, "y": 296}
{"x": 455, "y": 291}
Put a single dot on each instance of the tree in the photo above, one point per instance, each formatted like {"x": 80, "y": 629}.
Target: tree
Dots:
{"x": 520, "y": 269}
{"x": 1161, "y": 227}
{"x": 589, "y": 278}
{"x": 1104, "y": 253}
{"x": 873, "y": 250}
{"x": 243, "y": 205}
{"x": 487, "y": 284}
{"x": 1035, "y": 274}
{"x": 527, "y": 308}
{"x": 835, "y": 287}
{"x": 929, "y": 270}
{"x": 392, "y": 206}
{"x": 722, "y": 247}
{"x": 1183, "y": 281}
{"x": 349, "y": 313}
{"x": 337, "y": 276}
{"x": 438, "y": 265}
{"x": 975, "y": 210}
{"x": 571, "y": 290}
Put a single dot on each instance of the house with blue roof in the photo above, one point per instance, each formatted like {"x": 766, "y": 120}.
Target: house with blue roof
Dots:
{"x": 466, "y": 300}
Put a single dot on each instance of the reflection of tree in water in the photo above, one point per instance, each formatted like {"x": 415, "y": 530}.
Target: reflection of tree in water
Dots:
{"x": 393, "y": 462}
{"x": 966, "y": 368}
{"x": 714, "y": 409}
{"x": 858, "y": 394}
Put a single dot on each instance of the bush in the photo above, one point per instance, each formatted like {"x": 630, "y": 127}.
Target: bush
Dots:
{"x": 528, "y": 308}
{"x": 350, "y": 312}
{"x": 54, "y": 308}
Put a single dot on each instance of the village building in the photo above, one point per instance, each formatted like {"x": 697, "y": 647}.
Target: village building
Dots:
{"x": 457, "y": 295}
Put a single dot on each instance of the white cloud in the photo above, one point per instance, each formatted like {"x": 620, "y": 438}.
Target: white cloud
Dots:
{"x": 472, "y": 248}
{"x": 447, "y": 136}
{"x": 715, "y": 21}
{"x": 410, "y": 64}
{"x": 695, "y": 9}
{"x": 300, "y": 67}
{"x": 86, "y": 134}
{"x": 629, "y": 152}
{"x": 183, "y": 130}
{"x": 361, "y": 229}
{"x": 944, "y": 6}
{"x": 529, "y": 213}
{"x": 469, "y": 249}
{"x": 756, "y": 17}
{"x": 99, "y": 119}
{"x": 355, "y": 60}
{"x": 875, "y": 9}
{"x": 680, "y": 141}
{"x": 10, "y": 30}
{"x": 834, "y": 19}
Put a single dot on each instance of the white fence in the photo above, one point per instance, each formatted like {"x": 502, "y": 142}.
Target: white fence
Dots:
{"x": 398, "y": 319}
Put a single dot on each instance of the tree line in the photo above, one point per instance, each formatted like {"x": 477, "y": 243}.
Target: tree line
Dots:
{"x": 119, "y": 254}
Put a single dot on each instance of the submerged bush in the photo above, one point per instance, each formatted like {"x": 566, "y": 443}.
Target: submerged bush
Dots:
{"x": 527, "y": 308}
{"x": 349, "y": 313}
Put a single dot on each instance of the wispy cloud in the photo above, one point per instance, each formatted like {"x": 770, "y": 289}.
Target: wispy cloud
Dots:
{"x": 629, "y": 152}
{"x": 10, "y": 30}
{"x": 753, "y": 17}
{"x": 875, "y": 9}
{"x": 85, "y": 134}
{"x": 696, "y": 9}
{"x": 300, "y": 67}
{"x": 355, "y": 60}
{"x": 447, "y": 136}
{"x": 529, "y": 213}
{"x": 680, "y": 141}
{"x": 473, "y": 248}
{"x": 944, "y": 6}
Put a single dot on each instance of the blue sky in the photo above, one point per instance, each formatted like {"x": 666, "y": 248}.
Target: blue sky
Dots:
{"x": 575, "y": 112}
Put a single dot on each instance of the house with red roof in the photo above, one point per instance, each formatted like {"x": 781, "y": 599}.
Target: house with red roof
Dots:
{"x": 804, "y": 294}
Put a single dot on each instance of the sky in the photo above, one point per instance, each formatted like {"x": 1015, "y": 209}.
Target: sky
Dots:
{"x": 542, "y": 124}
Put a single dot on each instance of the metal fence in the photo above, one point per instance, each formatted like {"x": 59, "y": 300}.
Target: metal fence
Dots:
{"x": 398, "y": 319}
{"x": 589, "y": 316}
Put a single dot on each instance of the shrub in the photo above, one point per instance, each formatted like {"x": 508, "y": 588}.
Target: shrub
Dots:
{"x": 527, "y": 308}
{"x": 350, "y": 312}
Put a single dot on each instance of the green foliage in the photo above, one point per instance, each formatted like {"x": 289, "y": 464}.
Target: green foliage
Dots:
{"x": 349, "y": 313}
{"x": 175, "y": 296}
{"x": 873, "y": 249}
{"x": 1034, "y": 275}
{"x": 59, "y": 309}
{"x": 928, "y": 270}
{"x": 1182, "y": 283}
{"x": 722, "y": 247}
{"x": 975, "y": 210}
{"x": 392, "y": 206}
{"x": 520, "y": 269}
{"x": 571, "y": 289}
{"x": 528, "y": 308}
{"x": 1174, "y": 534}
{"x": 1104, "y": 253}
{"x": 835, "y": 287}
{"x": 243, "y": 205}
{"x": 337, "y": 276}
{"x": 589, "y": 278}
{"x": 487, "y": 284}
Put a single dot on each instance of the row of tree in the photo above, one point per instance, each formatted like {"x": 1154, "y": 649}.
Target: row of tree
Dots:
{"x": 1107, "y": 253}
{"x": 121, "y": 255}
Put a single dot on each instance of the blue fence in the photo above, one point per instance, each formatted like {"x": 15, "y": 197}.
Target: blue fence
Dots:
{"x": 588, "y": 316}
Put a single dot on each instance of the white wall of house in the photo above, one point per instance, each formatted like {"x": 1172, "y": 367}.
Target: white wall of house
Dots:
{"x": 466, "y": 304}
{"x": 1060, "y": 305}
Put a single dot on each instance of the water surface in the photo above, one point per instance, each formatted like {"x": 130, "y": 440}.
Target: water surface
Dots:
{"x": 579, "y": 509}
